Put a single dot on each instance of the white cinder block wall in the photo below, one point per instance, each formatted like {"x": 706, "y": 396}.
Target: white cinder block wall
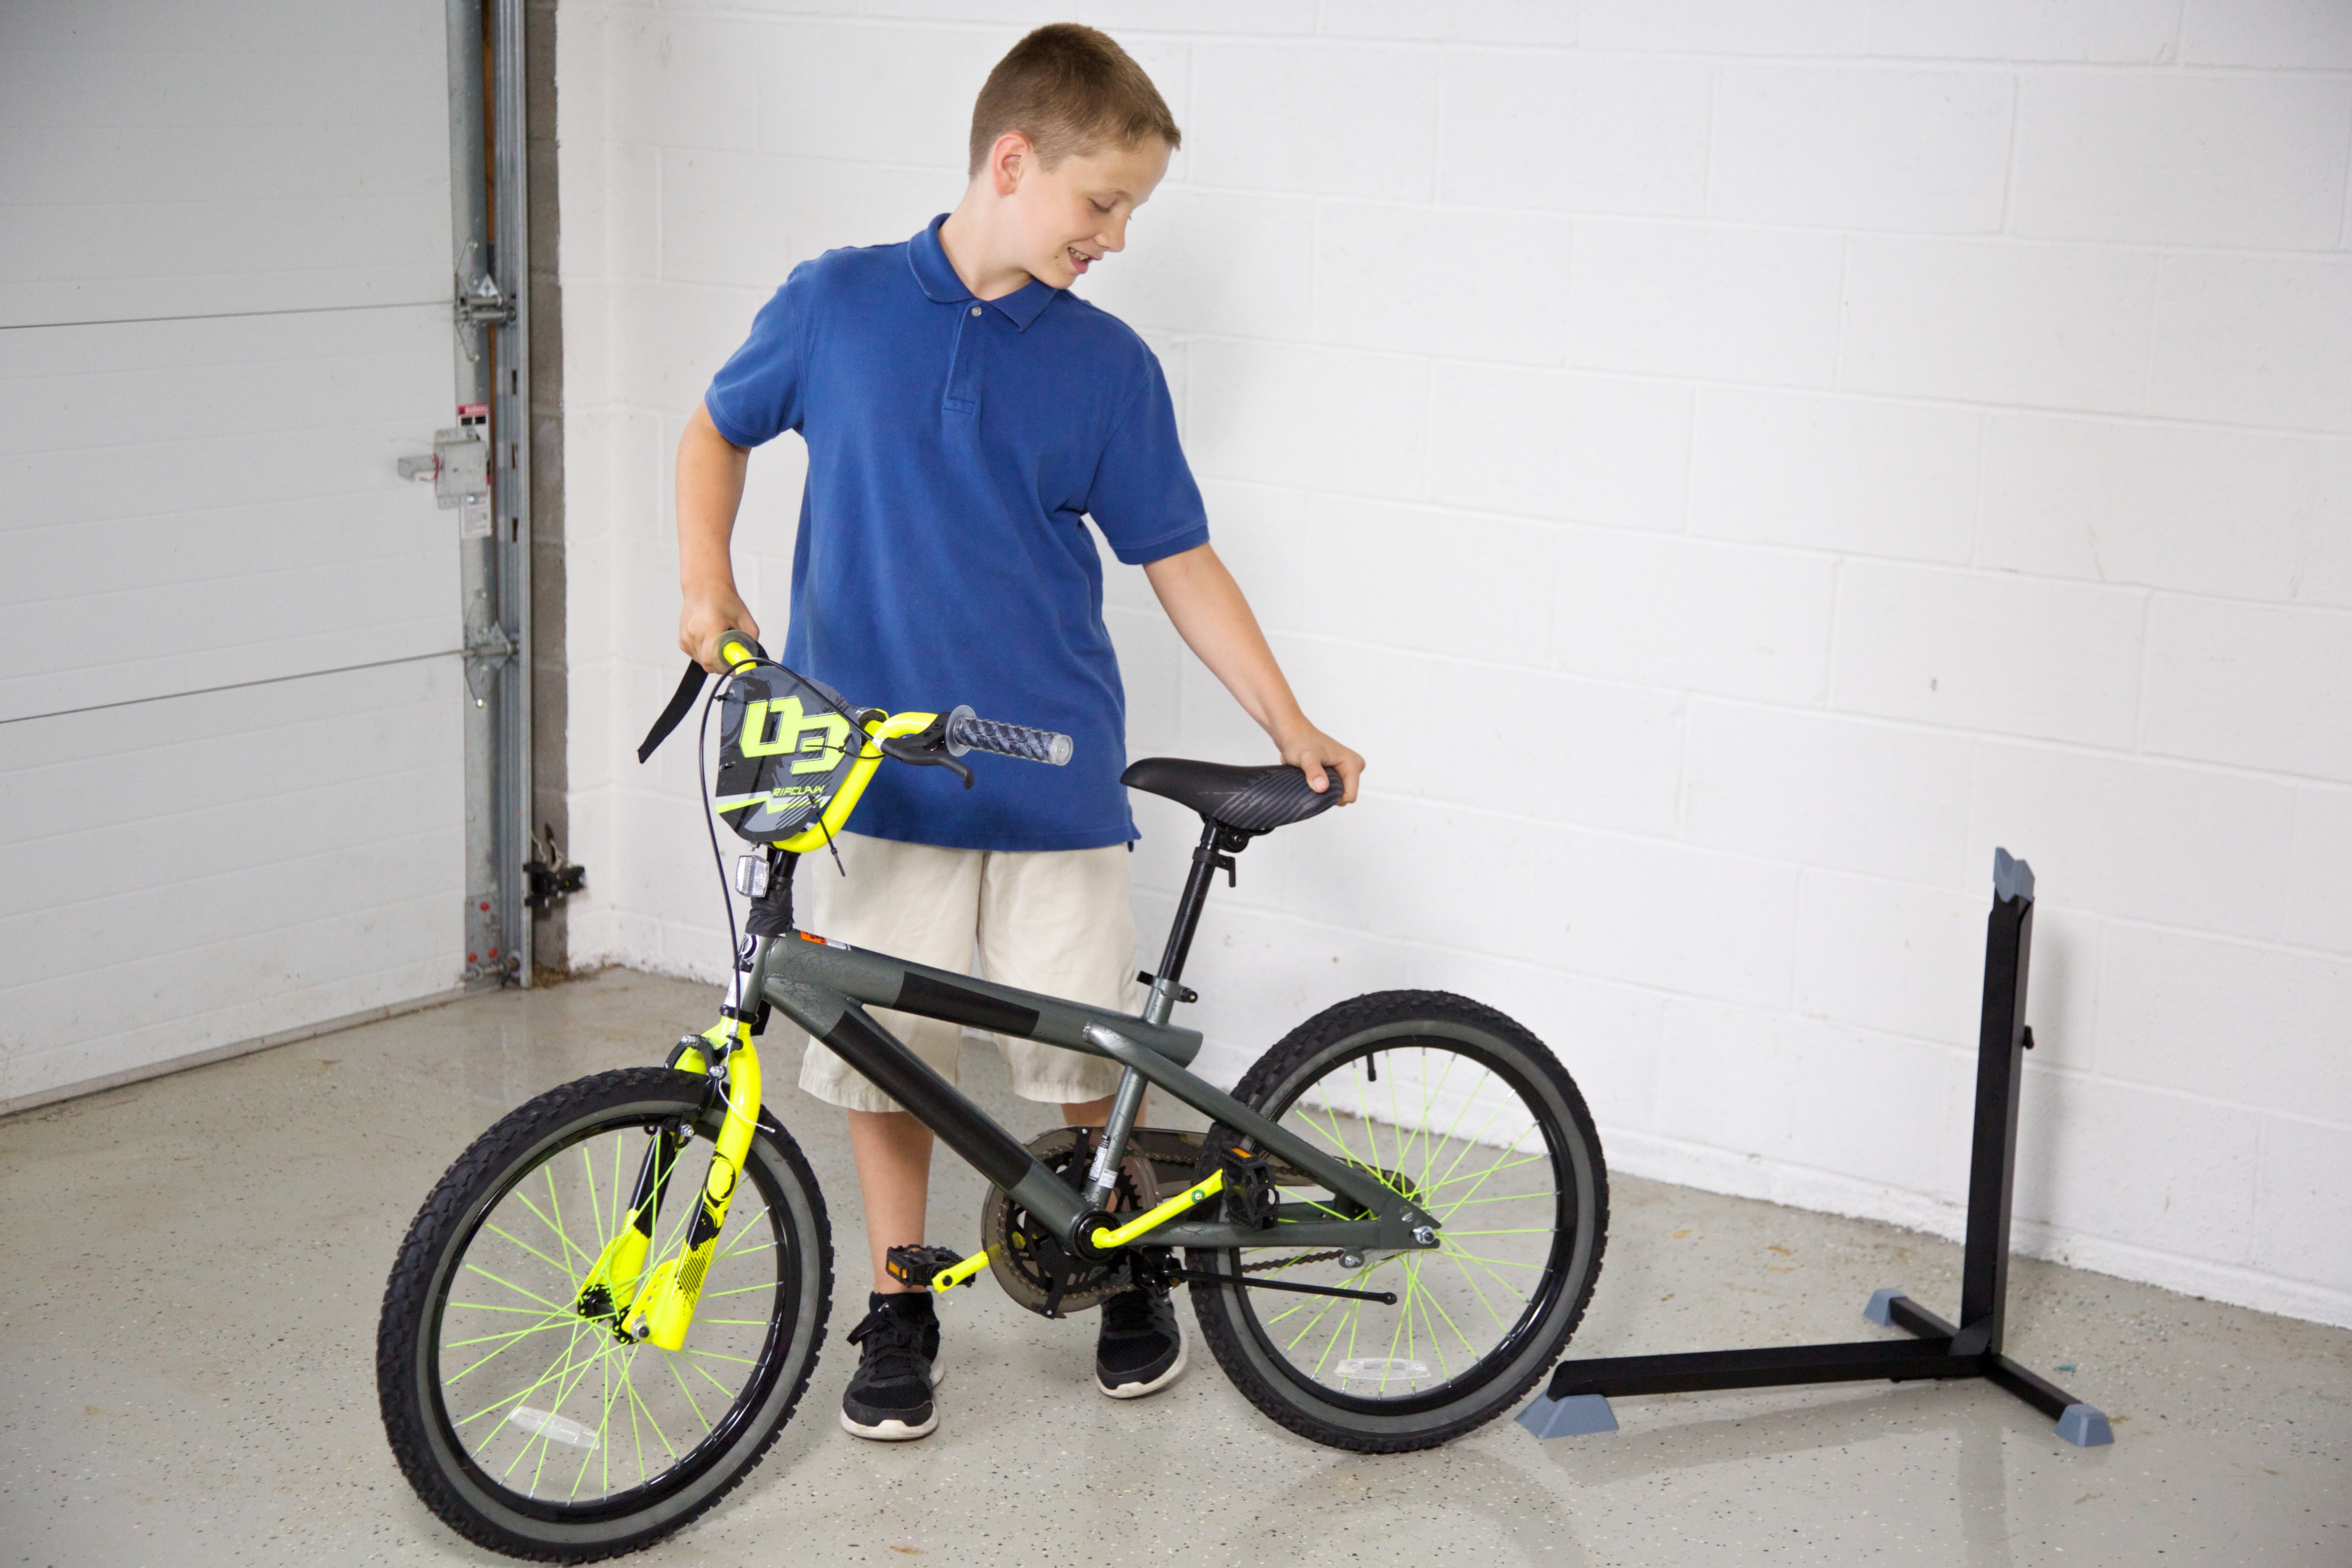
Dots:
{"x": 1730, "y": 466}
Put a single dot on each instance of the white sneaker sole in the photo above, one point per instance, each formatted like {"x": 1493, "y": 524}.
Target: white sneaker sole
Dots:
{"x": 898, "y": 1431}
{"x": 1138, "y": 1390}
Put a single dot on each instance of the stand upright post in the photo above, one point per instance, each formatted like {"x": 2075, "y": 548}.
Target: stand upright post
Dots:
{"x": 1578, "y": 1399}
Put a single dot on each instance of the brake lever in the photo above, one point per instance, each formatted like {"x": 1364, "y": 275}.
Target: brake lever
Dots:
{"x": 928, "y": 748}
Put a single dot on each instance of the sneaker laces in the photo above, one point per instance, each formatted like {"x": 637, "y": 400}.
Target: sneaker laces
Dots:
{"x": 1129, "y": 1310}
{"x": 897, "y": 1343}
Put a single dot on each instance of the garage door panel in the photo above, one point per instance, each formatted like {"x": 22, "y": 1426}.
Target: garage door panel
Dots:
{"x": 220, "y": 544}
{"x": 96, "y": 293}
{"x": 48, "y": 166}
{"x": 251, "y": 986}
{"x": 232, "y": 738}
{"x": 182, "y": 847}
{"x": 226, "y": 921}
{"x": 365, "y": 569}
{"x": 201, "y": 177}
{"x": 197, "y": 753}
{"x": 222, "y": 634}
{"x": 151, "y": 479}
{"x": 247, "y": 26}
{"x": 163, "y": 923}
{"x": 122, "y": 387}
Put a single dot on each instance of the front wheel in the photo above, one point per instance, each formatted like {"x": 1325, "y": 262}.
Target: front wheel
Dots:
{"x": 522, "y": 1411}
{"x": 1469, "y": 1116}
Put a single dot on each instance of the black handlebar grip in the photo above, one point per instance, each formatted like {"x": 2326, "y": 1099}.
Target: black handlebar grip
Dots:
{"x": 968, "y": 732}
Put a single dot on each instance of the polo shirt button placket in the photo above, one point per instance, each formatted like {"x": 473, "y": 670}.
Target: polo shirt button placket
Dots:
{"x": 963, "y": 379}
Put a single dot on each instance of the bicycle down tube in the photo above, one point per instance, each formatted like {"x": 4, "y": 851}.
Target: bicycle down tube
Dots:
{"x": 824, "y": 986}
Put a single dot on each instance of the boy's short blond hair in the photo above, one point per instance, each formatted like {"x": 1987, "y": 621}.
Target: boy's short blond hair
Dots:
{"x": 1070, "y": 89}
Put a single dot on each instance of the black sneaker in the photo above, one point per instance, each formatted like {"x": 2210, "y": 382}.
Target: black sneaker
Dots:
{"x": 889, "y": 1396}
{"x": 1142, "y": 1347}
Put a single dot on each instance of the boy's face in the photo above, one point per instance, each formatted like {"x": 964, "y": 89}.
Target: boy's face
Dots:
{"x": 1068, "y": 218}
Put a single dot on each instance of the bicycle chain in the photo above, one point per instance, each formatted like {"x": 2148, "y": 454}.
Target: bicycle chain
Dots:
{"x": 1292, "y": 1262}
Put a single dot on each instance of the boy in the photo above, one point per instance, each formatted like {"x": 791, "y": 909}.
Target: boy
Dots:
{"x": 962, "y": 412}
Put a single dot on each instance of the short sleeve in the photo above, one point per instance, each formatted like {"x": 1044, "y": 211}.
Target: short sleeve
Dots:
{"x": 1143, "y": 497}
{"x": 756, "y": 396}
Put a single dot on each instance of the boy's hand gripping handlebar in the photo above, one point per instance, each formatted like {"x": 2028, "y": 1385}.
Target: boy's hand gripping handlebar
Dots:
{"x": 938, "y": 746}
{"x": 736, "y": 649}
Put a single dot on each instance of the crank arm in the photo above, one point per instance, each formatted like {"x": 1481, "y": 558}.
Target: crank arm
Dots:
{"x": 1385, "y": 1297}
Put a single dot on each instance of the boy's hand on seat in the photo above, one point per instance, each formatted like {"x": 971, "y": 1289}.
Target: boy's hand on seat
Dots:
{"x": 1320, "y": 756}
{"x": 707, "y": 616}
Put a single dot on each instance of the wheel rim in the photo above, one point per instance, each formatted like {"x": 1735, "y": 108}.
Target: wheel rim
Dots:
{"x": 551, "y": 1411}
{"x": 1456, "y": 1126}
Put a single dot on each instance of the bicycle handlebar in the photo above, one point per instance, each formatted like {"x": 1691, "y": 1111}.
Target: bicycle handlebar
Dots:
{"x": 735, "y": 648}
{"x": 966, "y": 732}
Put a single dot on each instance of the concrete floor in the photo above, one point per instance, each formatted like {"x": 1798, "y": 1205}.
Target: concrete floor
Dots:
{"x": 194, "y": 1267}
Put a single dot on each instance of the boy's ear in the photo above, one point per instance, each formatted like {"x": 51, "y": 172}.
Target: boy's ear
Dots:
{"x": 1008, "y": 160}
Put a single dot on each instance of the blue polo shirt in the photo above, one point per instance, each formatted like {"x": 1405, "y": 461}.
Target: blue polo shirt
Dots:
{"x": 956, "y": 447}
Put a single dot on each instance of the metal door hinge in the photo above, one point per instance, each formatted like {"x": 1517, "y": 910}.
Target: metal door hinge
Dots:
{"x": 479, "y": 303}
{"x": 550, "y": 873}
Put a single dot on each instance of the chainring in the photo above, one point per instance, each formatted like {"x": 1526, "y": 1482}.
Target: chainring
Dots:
{"x": 1026, "y": 1257}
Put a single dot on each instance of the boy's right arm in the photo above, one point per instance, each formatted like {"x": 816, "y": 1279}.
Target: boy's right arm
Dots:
{"x": 709, "y": 488}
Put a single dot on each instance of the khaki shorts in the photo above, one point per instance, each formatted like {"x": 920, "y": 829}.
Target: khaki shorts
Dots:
{"x": 1055, "y": 921}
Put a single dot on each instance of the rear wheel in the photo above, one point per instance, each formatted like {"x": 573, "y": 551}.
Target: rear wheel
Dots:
{"x": 1473, "y": 1119}
{"x": 523, "y": 1413}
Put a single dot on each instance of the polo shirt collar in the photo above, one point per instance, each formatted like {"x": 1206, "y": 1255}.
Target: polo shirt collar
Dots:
{"x": 942, "y": 287}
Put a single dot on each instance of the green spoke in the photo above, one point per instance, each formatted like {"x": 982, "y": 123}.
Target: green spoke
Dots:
{"x": 1398, "y": 1332}
{"x": 486, "y": 1307}
{"x": 546, "y": 1440}
{"x": 1490, "y": 1169}
{"x": 1500, "y": 1198}
{"x": 637, "y": 1402}
{"x": 595, "y": 1204}
{"x": 604, "y": 1425}
{"x": 1476, "y": 1175}
{"x": 1426, "y": 1298}
{"x": 690, "y": 1402}
{"x": 1451, "y": 1324}
{"x": 1468, "y": 1100}
{"x": 555, "y": 1207}
{"x": 562, "y": 1269}
{"x": 1471, "y": 1279}
{"x": 1475, "y": 1257}
{"x": 475, "y": 1268}
{"x": 1521, "y": 1230}
{"x": 509, "y": 1334}
{"x": 1473, "y": 1141}
{"x": 721, "y": 1387}
{"x": 506, "y": 1400}
{"x": 719, "y": 1355}
{"x": 511, "y": 1341}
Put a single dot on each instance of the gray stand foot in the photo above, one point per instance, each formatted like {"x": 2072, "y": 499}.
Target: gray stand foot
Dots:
{"x": 1581, "y": 1413}
{"x": 1881, "y": 1309}
{"x": 2080, "y": 1425}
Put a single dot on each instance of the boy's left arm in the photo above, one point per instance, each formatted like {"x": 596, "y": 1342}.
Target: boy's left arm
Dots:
{"x": 1214, "y": 620}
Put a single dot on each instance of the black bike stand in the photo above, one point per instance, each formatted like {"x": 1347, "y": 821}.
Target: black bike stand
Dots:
{"x": 1577, "y": 1400}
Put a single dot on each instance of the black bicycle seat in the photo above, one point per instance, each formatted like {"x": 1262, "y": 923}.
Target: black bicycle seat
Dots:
{"x": 1248, "y": 800}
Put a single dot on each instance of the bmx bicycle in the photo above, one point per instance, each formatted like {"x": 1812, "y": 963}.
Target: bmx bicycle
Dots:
{"x": 1388, "y": 1232}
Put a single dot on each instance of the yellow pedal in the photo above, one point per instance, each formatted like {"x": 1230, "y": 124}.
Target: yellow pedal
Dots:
{"x": 960, "y": 1273}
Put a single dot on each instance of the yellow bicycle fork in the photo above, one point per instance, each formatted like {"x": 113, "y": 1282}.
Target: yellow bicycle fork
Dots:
{"x": 658, "y": 1307}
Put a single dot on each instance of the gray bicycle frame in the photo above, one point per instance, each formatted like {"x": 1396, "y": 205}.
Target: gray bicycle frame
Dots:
{"x": 826, "y": 987}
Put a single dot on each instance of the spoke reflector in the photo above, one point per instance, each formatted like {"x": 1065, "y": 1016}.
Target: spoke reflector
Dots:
{"x": 555, "y": 1428}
